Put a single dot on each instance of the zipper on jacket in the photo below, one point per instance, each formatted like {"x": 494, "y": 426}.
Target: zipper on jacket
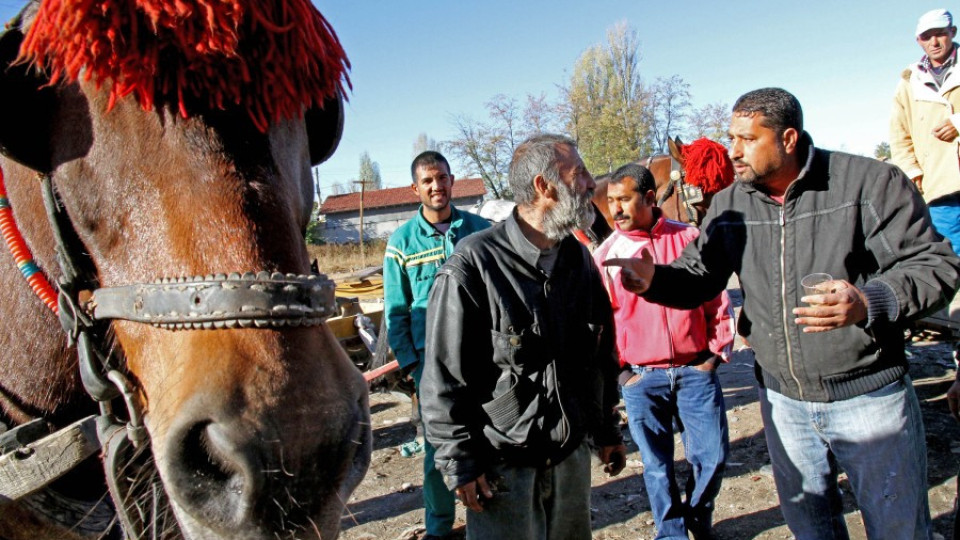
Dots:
{"x": 663, "y": 310}
{"x": 783, "y": 294}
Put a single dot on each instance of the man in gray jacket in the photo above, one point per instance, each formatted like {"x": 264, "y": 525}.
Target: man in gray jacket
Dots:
{"x": 519, "y": 370}
{"x": 834, "y": 389}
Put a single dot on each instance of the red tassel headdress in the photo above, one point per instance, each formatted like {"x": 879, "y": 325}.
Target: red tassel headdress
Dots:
{"x": 272, "y": 58}
{"x": 707, "y": 165}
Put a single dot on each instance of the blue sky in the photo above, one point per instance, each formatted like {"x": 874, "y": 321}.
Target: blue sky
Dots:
{"x": 419, "y": 63}
{"x": 416, "y": 64}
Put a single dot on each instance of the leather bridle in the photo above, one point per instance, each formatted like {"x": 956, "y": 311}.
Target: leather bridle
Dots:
{"x": 218, "y": 301}
{"x": 676, "y": 183}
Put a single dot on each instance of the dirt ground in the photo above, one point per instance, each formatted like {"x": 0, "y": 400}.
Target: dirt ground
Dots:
{"x": 388, "y": 503}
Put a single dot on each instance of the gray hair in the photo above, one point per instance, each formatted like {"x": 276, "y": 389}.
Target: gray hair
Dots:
{"x": 536, "y": 155}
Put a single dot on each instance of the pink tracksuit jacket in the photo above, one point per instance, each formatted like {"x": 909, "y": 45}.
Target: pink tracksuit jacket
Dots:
{"x": 653, "y": 335}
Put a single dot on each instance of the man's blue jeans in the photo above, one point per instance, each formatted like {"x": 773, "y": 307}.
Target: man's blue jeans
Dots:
{"x": 695, "y": 399}
{"x": 945, "y": 214}
{"x": 877, "y": 438}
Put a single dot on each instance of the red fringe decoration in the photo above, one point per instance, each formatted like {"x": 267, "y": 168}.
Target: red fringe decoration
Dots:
{"x": 707, "y": 165}
{"x": 272, "y": 58}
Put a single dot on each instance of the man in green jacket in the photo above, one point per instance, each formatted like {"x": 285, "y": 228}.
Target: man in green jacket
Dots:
{"x": 414, "y": 253}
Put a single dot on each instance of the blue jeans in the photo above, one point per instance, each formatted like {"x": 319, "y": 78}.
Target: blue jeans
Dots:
{"x": 695, "y": 399}
{"x": 945, "y": 213}
{"x": 877, "y": 438}
{"x": 533, "y": 503}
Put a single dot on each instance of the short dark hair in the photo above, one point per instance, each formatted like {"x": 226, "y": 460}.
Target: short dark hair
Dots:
{"x": 642, "y": 177}
{"x": 426, "y": 159}
{"x": 778, "y": 108}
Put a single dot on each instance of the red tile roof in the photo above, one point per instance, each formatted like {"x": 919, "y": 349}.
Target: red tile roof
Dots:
{"x": 401, "y": 196}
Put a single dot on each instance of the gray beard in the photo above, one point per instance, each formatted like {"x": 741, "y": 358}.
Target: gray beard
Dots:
{"x": 571, "y": 212}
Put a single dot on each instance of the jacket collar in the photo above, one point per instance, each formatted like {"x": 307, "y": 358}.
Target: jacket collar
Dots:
{"x": 923, "y": 84}
{"x": 925, "y": 66}
{"x": 426, "y": 228}
{"x": 525, "y": 249}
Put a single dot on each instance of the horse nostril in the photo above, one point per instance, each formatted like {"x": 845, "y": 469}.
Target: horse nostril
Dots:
{"x": 215, "y": 475}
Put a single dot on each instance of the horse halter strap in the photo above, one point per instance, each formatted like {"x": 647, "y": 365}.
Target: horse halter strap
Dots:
{"x": 220, "y": 301}
{"x": 201, "y": 302}
{"x": 216, "y": 301}
{"x": 677, "y": 184}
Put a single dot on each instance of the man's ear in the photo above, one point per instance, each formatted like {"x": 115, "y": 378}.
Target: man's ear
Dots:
{"x": 790, "y": 138}
{"x": 413, "y": 186}
{"x": 650, "y": 197}
{"x": 543, "y": 187}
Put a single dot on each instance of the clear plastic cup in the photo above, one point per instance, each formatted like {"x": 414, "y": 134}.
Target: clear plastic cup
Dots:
{"x": 816, "y": 283}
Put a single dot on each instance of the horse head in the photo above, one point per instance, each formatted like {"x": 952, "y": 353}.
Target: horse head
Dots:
{"x": 705, "y": 166}
{"x": 183, "y": 170}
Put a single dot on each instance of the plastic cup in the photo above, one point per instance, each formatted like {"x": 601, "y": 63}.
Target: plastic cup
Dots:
{"x": 815, "y": 283}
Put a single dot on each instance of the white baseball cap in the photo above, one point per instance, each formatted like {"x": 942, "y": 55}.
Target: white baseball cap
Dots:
{"x": 937, "y": 18}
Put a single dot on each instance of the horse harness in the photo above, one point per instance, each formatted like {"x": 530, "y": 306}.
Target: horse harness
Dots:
{"x": 31, "y": 457}
{"x": 689, "y": 194}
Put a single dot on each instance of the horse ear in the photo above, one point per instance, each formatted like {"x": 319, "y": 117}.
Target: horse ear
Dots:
{"x": 675, "y": 148}
{"x": 27, "y": 107}
{"x": 324, "y": 128}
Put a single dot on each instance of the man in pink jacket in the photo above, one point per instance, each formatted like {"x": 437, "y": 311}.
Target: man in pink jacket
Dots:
{"x": 669, "y": 357}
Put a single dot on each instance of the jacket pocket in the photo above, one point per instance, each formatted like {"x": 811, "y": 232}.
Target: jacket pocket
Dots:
{"x": 505, "y": 409}
{"x": 516, "y": 411}
{"x": 522, "y": 352}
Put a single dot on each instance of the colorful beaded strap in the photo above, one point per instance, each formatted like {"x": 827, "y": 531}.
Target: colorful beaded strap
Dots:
{"x": 21, "y": 253}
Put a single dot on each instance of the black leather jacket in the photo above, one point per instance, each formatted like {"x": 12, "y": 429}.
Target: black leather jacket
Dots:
{"x": 519, "y": 366}
{"x": 853, "y": 217}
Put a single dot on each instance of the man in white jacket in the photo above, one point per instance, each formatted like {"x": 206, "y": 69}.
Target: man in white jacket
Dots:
{"x": 924, "y": 124}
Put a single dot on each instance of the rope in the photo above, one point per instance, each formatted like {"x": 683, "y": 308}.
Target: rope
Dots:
{"x": 21, "y": 253}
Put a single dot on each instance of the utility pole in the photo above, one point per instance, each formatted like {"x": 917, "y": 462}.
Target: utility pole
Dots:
{"x": 363, "y": 252}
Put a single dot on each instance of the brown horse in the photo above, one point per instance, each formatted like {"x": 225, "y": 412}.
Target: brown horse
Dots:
{"x": 686, "y": 204}
{"x": 258, "y": 426}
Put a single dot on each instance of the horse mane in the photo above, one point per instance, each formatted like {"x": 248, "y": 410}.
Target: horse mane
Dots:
{"x": 707, "y": 165}
{"x": 272, "y": 58}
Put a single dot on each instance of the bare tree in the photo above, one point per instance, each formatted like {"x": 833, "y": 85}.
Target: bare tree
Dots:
{"x": 539, "y": 115}
{"x": 422, "y": 144}
{"x": 482, "y": 151}
{"x": 369, "y": 174}
{"x": 670, "y": 101}
{"x": 485, "y": 148}
{"x": 710, "y": 121}
{"x": 343, "y": 188}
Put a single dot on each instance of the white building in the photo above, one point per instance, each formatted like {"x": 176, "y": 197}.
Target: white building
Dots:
{"x": 384, "y": 210}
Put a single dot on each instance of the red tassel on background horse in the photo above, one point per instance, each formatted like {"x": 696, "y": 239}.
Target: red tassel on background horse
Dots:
{"x": 707, "y": 165}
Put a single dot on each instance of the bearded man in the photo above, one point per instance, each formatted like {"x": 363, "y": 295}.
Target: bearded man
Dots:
{"x": 519, "y": 371}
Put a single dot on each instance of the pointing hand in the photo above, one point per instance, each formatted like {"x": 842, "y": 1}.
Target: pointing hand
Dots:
{"x": 635, "y": 274}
